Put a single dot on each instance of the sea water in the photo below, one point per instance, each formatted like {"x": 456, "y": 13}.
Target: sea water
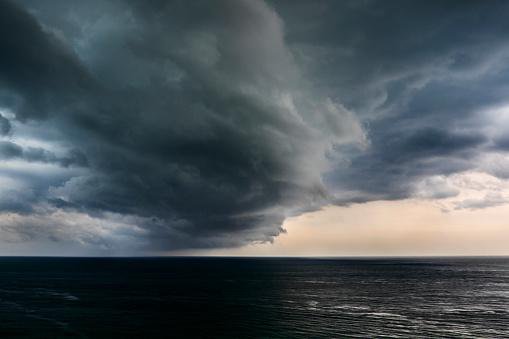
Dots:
{"x": 254, "y": 298}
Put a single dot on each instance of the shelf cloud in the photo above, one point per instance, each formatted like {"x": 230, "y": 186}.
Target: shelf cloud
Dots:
{"x": 130, "y": 126}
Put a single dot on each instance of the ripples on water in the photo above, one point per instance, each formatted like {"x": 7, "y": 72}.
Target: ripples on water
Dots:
{"x": 254, "y": 298}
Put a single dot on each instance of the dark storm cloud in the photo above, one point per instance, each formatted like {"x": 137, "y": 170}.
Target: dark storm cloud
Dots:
{"x": 427, "y": 142}
{"x": 36, "y": 70}
{"x": 418, "y": 73}
{"x": 193, "y": 130}
{"x": 10, "y": 150}
{"x": 397, "y": 159}
{"x": 389, "y": 48}
{"x": 206, "y": 124}
{"x": 5, "y": 125}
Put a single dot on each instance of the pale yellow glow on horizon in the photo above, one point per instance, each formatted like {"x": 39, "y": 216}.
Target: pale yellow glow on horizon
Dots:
{"x": 388, "y": 228}
{"x": 474, "y": 220}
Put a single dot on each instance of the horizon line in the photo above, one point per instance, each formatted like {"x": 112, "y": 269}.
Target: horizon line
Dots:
{"x": 256, "y": 257}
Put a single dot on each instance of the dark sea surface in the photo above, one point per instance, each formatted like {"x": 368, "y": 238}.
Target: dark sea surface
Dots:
{"x": 254, "y": 298}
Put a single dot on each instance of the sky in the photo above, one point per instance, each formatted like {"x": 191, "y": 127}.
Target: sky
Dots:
{"x": 246, "y": 127}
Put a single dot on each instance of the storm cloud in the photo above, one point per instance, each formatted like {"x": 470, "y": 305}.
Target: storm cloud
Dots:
{"x": 168, "y": 125}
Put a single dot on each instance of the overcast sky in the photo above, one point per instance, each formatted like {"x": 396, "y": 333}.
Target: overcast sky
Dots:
{"x": 152, "y": 127}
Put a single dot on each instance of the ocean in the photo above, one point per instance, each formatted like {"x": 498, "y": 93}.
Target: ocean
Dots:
{"x": 254, "y": 298}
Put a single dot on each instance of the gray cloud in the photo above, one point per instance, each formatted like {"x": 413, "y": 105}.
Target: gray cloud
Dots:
{"x": 36, "y": 69}
{"x": 195, "y": 120}
{"x": 489, "y": 200}
{"x": 206, "y": 125}
{"x": 10, "y": 150}
{"x": 435, "y": 188}
{"x": 5, "y": 125}
{"x": 417, "y": 74}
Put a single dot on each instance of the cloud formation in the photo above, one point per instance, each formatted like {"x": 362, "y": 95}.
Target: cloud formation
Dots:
{"x": 194, "y": 120}
{"x": 195, "y": 125}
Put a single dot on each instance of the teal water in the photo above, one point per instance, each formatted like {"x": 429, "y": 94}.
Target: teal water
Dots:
{"x": 254, "y": 298}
